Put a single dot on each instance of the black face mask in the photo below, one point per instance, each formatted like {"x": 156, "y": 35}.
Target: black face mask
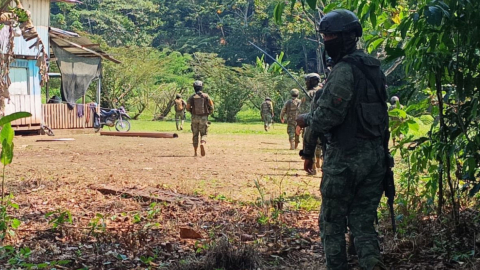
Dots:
{"x": 334, "y": 48}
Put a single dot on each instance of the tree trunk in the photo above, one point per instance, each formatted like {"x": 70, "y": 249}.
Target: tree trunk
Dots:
{"x": 438, "y": 86}
{"x": 140, "y": 111}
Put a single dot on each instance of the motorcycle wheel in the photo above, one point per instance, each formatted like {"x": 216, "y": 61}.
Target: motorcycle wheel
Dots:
{"x": 123, "y": 125}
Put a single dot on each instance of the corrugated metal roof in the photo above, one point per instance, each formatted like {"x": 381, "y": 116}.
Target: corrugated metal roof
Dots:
{"x": 77, "y": 45}
{"x": 40, "y": 10}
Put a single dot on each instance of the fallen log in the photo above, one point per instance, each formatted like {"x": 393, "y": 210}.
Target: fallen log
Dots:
{"x": 140, "y": 134}
{"x": 56, "y": 140}
{"x": 147, "y": 194}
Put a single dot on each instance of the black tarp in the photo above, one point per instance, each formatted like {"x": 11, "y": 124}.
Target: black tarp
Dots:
{"x": 77, "y": 73}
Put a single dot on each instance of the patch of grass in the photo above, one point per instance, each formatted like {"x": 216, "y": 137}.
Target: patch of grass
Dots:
{"x": 305, "y": 202}
{"x": 215, "y": 127}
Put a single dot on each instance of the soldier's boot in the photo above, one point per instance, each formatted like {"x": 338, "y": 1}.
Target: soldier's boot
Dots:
{"x": 195, "y": 148}
{"x": 202, "y": 147}
{"x": 292, "y": 145}
{"x": 177, "y": 123}
{"x": 265, "y": 127}
{"x": 181, "y": 126}
{"x": 317, "y": 163}
{"x": 296, "y": 145}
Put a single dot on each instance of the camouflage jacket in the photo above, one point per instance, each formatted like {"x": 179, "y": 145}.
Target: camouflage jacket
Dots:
{"x": 266, "y": 108}
{"x": 291, "y": 109}
{"x": 339, "y": 102}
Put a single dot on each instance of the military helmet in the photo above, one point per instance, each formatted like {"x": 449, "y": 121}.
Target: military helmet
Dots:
{"x": 198, "y": 84}
{"x": 178, "y": 96}
{"x": 267, "y": 98}
{"x": 310, "y": 76}
{"x": 294, "y": 92}
{"x": 394, "y": 99}
{"x": 329, "y": 62}
{"x": 340, "y": 20}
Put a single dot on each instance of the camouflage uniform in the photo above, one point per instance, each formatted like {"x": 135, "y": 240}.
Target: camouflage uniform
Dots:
{"x": 180, "y": 107}
{"x": 200, "y": 106}
{"x": 354, "y": 118}
{"x": 307, "y": 131}
{"x": 291, "y": 109}
{"x": 267, "y": 113}
{"x": 311, "y": 106}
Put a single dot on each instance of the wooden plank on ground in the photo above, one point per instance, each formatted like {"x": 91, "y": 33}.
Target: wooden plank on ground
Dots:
{"x": 140, "y": 134}
{"x": 56, "y": 140}
{"x": 147, "y": 194}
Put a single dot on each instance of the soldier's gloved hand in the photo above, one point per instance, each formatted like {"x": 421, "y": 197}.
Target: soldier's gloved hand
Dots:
{"x": 301, "y": 120}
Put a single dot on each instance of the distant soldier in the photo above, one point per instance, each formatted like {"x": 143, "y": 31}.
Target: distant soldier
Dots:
{"x": 314, "y": 90}
{"x": 312, "y": 81}
{"x": 200, "y": 106}
{"x": 180, "y": 107}
{"x": 393, "y": 103}
{"x": 267, "y": 113}
{"x": 292, "y": 109}
{"x": 395, "y": 121}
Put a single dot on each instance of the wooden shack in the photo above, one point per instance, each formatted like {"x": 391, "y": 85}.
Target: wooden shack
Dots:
{"x": 25, "y": 89}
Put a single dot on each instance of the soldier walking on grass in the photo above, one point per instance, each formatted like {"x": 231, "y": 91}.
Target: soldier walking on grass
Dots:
{"x": 352, "y": 113}
{"x": 267, "y": 113}
{"x": 291, "y": 109}
{"x": 200, "y": 106}
{"x": 180, "y": 107}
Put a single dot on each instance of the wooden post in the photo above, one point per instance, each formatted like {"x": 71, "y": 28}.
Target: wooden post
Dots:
{"x": 47, "y": 86}
{"x": 84, "y": 112}
{"x": 99, "y": 89}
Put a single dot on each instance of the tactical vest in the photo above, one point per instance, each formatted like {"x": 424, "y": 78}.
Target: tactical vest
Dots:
{"x": 367, "y": 118}
{"x": 200, "y": 105}
{"x": 179, "y": 105}
{"x": 266, "y": 107}
{"x": 293, "y": 108}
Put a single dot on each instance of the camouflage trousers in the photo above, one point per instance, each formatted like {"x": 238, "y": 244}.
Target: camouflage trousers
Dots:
{"x": 199, "y": 128}
{"x": 291, "y": 126}
{"x": 351, "y": 188}
{"x": 179, "y": 118}
{"x": 318, "y": 150}
{"x": 267, "y": 120}
{"x": 179, "y": 115}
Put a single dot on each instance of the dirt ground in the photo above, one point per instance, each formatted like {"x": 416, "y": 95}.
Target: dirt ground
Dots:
{"x": 232, "y": 164}
{"x": 248, "y": 189}
{"x": 49, "y": 179}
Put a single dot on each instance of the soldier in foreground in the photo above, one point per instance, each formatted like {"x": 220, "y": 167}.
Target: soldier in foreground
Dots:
{"x": 200, "y": 106}
{"x": 352, "y": 113}
{"x": 267, "y": 113}
{"x": 291, "y": 109}
{"x": 180, "y": 107}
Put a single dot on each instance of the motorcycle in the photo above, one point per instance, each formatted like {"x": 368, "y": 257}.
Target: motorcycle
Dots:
{"x": 113, "y": 117}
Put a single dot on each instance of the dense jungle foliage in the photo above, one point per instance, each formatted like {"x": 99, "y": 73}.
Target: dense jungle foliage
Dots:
{"x": 431, "y": 56}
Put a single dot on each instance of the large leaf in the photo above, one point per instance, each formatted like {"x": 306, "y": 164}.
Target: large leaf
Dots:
{"x": 312, "y": 4}
{"x": 394, "y": 53}
{"x": 434, "y": 15}
{"x": 278, "y": 11}
{"x": 14, "y": 116}
{"x": 7, "y": 134}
